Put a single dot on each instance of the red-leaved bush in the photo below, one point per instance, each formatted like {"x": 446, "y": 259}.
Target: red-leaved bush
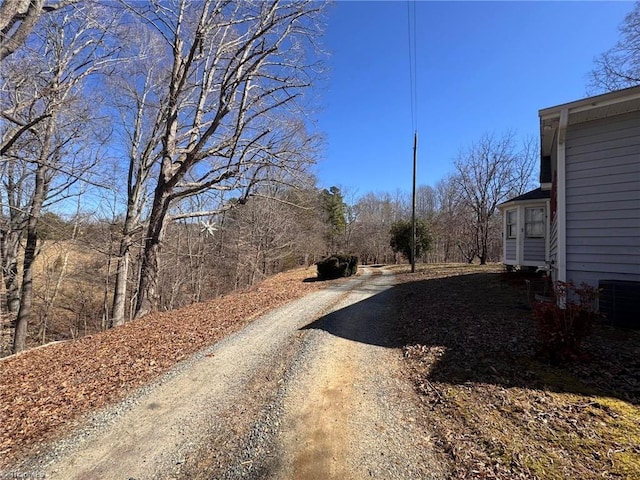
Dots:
{"x": 565, "y": 320}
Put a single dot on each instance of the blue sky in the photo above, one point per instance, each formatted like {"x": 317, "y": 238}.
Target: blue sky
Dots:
{"x": 482, "y": 67}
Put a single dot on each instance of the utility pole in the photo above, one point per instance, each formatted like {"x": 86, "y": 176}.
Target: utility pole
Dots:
{"x": 413, "y": 204}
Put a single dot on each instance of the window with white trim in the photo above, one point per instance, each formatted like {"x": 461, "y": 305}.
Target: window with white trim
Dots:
{"x": 534, "y": 222}
{"x": 512, "y": 219}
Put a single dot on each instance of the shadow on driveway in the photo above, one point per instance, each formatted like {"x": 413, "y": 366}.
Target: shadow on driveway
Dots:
{"x": 478, "y": 328}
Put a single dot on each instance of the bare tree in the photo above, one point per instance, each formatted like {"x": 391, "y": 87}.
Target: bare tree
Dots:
{"x": 425, "y": 203}
{"x": 275, "y": 230}
{"x": 237, "y": 70}
{"x": 265, "y": 226}
{"x": 467, "y": 232}
{"x": 136, "y": 92}
{"x": 375, "y": 215}
{"x": 18, "y": 19}
{"x": 619, "y": 67}
{"x": 489, "y": 172}
{"x": 55, "y": 274}
{"x": 45, "y": 82}
{"x": 13, "y": 199}
{"x": 446, "y": 224}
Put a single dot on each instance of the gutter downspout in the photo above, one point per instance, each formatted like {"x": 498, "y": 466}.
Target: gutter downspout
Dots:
{"x": 520, "y": 219}
{"x": 547, "y": 233}
{"x": 503, "y": 212}
{"x": 561, "y": 196}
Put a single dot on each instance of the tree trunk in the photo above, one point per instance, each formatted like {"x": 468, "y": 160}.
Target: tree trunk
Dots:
{"x": 26, "y": 15}
{"x": 148, "y": 287}
{"x": 24, "y": 312}
{"x": 40, "y": 189}
{"x": 30, "y": 253}
{"x": 129, "y": 229}
{"x": 484, "y": 232}
{"x": 120, "y": 287}
{"x": 9, "y": 245}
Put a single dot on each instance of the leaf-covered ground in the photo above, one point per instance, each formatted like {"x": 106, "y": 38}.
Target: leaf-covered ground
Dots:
{"x": 497, "y": 408}
{"x": 45, "y": 390}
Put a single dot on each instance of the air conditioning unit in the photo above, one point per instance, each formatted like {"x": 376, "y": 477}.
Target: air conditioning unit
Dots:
{"x": 620, "y": 303}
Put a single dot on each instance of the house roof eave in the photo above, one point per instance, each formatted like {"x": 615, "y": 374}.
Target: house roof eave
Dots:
{"x": 584, "y": 110}
{"x": 537, "y": 195}
{"x": 590, "y": 103}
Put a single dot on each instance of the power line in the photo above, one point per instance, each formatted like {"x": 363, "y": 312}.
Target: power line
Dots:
{"x": 413, "y": 75}
{"x": 414, "y": 119}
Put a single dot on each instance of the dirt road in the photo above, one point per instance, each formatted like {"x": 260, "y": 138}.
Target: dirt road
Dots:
{"x": 308, "y": 391}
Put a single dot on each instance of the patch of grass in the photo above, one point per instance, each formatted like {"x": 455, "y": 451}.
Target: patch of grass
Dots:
{"x": 496, "y": 410}
{"x": 555, "y": 378}
{"x": 506, "y": 433}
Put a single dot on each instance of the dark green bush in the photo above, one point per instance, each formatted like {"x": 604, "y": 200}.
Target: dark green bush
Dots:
{"x": 337, "y": 266}
{"x": 401, "y": 232}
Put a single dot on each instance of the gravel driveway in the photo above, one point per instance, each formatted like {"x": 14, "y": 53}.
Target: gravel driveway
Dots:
{"x": 310, "y": 390}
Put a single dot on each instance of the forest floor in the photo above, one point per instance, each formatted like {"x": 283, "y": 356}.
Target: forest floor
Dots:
{"x": 434, "y": 374}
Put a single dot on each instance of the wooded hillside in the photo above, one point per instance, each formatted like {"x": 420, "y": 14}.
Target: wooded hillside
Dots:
{"x": 156, "y": 154}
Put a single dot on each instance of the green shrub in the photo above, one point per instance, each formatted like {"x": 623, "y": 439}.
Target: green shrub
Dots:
{"x": 337, "y": 266}
{"x": 401, "y": 233}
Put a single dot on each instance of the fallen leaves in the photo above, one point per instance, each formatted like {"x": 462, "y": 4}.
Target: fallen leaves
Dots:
{"x": 496, "y": 409}
{"x": 46, "y": 390}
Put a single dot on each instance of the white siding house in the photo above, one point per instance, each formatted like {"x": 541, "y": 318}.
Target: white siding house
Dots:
{"x": 593, "y": 146}
{"x": 590, "y": 168}
{"x": 526, "y": 227}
